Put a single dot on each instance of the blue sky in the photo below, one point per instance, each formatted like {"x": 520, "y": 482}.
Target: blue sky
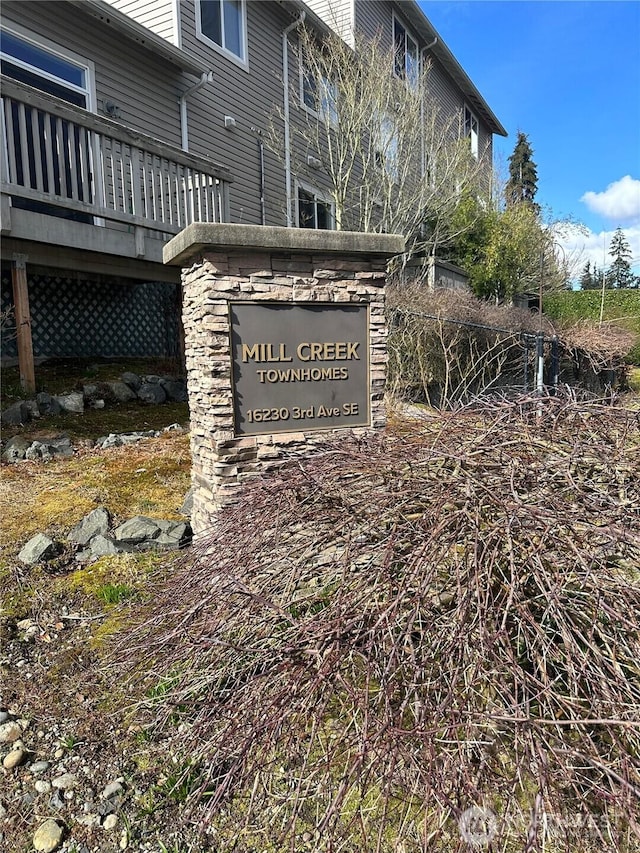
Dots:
{"x": 566, "y": 73}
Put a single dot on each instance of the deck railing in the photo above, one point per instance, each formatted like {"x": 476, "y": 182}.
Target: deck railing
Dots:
{"x": 55, "y": 155}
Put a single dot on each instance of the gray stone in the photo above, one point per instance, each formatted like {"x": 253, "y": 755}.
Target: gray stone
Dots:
{"x": 106, "y": 441}
{"x": 61, "y": 446}
{"x": 131, "y": 379}
{"x": 121, "y": 391}
{"x": 38, "y": 548}
{"x": 175, "y": 389}
{"x": 56, "y": 802}
{"x": 48, "y": 836}
{"x": 132, "y": 437}
{"x": 38, "y": 452}
{"x": 18, "y": 413}
{"x": 16, "y": 449}
{"x": 47, "y": 404}
{"x": 112, "y": 789}
{"x": 103, "y": 546}
{"x": 45, "y": 451}
{"x": 152, "y": 393}
{"x": 42, "y": 786}
{"x": 9, "y": 732}
{"x": 94, "y": 524}
{"x": 187, "y": 504}
{"x": 39, "y": 766}
{"x": 174, "y": 534}
{"x": 90, "y": 391}
{"x": 32, "y": 408}
{"x": 151, "y": 379}
{"x": 65, "y": 782}
{"x": 136, "y": 530}
{"x": 73, "y": 402}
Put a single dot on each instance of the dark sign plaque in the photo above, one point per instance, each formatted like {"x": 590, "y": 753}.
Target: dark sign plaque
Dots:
{"x": 299, "y": 367}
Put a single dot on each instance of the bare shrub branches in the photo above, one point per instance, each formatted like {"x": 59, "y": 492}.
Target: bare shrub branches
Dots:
{"x": 404, "y": 627}
{"x": 447, "y": 347}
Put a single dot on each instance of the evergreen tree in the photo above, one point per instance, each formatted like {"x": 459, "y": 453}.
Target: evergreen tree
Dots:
{"x": 588, "y": 280}
{"x": 522, "y": 185}
{"x": 619, "y": 274}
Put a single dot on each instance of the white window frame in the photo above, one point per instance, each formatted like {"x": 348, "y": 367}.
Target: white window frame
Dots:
{"x": 241, "y": 61}
{"x": 412, "y": 79}
{"x": 63, "y": 54}
{"x": 318, "y": 196}
{"x": 472, "y": 130}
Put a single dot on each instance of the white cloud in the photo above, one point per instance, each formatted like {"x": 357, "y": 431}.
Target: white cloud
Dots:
{"x": 620, "y": 201}
{"x": 581, "y": 245}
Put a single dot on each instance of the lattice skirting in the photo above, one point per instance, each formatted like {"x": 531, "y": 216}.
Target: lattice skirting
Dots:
{"x": 75, "y": 317}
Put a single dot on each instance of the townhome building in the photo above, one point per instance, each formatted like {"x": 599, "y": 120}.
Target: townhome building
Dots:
{"x": 124, "y": 121}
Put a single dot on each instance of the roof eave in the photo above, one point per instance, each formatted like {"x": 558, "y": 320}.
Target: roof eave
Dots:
{"x": 423, "y": 27}
{"x": 111, "y": 17}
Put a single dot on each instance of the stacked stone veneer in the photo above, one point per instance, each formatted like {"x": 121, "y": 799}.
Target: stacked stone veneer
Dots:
{"x": 217, "y": 275}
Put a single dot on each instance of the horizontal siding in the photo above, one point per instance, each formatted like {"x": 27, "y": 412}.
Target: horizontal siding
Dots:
{"x": 337, "y": 14}
{"x": 157, "y": 15}
{"x": 250, "y": 96}
{"x": 144, "y": 87}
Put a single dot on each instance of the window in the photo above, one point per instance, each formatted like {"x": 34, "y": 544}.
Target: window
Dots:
{"x": 44, "y": 69}
{"x": 386, "y": 145}
{"x": 223, "y": 23}
{"x": 319, "y": 95}
{"x": 314, "y": 211}
{"x": 406, "y": 56}
{"x": 471, "y": 130}
{"x": 50, "y": 155}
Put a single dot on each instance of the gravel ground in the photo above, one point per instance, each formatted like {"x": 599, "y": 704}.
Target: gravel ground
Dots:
{"x": 70, "y": 777}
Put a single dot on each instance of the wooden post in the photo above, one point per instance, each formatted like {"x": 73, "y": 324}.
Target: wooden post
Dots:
{"x": 23, "y": 323}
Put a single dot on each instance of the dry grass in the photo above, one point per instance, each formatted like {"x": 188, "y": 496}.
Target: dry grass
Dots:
{"x": 401, "y": 628}
{"x": 149, "y": 478}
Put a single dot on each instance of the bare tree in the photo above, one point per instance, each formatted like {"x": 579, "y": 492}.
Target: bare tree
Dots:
{"x": 379, "y": 146}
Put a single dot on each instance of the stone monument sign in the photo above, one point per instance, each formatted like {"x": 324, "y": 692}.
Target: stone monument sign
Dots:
{"x": 285, "y": 343}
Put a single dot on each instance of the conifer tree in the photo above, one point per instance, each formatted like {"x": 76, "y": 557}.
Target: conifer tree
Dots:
{"x": 619, "y": 274}
{"x": 522, "y": 185}
{"x": 589, "y": 278}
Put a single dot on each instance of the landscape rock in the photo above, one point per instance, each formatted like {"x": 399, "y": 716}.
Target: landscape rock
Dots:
{"x": 45, "y": 451}
{"x": 152, "y": 393}
{"x": 38, "y": 548}
{"x": 175, "y": 389}
{"x": 187, "y": 504}
{"x": 10, "y": 731}
{"x": 15, "y": 449}
{"x": 94, "y": 524}
{"x": 110, "y": 821}
{"x": 174, "y": 534}
{"x": 73, "y": 402}
{"x": 112, "y": 789}
{"x": 65, "y": 782}
{"x": 14, "y": 758}
{"x": 121, "y": 391}
{"x": 16, "y": 414}
{"x": 118, "y": 439}
{"x": 48, "y": 836}
{"x": 32, "y": 408}
{"x": 104, "y": 546}
{"x": 131, "y": 379}
{"x": 47, "y": 404}
{"x": 137, "y": 530}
